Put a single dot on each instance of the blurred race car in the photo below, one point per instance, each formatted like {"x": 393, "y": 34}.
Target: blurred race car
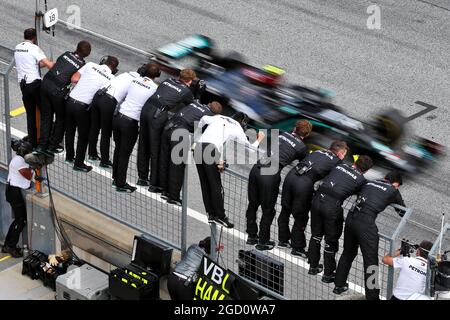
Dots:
{"x": 273, "y": 104}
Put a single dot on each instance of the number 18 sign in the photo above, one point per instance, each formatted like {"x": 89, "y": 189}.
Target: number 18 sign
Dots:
{"x": 51, "y": 17}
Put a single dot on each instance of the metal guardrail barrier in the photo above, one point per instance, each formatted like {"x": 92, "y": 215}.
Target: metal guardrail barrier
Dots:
{"x": 296, "y": 283}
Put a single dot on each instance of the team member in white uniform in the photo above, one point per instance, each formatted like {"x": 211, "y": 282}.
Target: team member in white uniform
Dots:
{"x": 88, "y": 79}
{"x": 125, "y": 124}
{"x": 207, "y": 156}
{"x": 19, "y": 177}
{"x": 29, "y": 58}
{"x": 102, "y": 111}
{"x": 413, "y": 271}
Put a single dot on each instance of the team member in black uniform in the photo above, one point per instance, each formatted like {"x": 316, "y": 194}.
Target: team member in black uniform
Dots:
{"x": 361, "y": 229}
{"x": 171, "y": 95}
{"x": 54, "y": 90}
{"x": 298, "y": 189}
{"x": 327, "y": 216}
{"x": 263, "y": 187}
{"x": 29, "y": 58}
{"x": 172, "y": 170}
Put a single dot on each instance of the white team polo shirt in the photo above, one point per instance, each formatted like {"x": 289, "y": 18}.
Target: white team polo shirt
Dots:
{"x": 221, "y": 129}
{"x": 27, "y": 56}
{"x": 93, "y": 77}
{"x": 138, "y": 93}
{"x": 14, "y": 177}
{"x": 118, "y": 87}
{"x": 412, "y": 278}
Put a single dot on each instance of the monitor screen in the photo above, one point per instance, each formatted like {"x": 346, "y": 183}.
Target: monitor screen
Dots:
{"x": 151, "y": 255}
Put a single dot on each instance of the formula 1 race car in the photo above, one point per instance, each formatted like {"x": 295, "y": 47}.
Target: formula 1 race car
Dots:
{"x": 272, "y": 104}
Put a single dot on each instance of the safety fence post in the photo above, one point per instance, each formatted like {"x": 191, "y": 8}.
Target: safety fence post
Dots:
{"x": 184, "y": 207}
{"x": 7, "y": 111}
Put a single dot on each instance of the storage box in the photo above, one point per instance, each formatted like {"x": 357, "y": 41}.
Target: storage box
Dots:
{"x": 133, "y": 283}
{"x": 82, "y": 283}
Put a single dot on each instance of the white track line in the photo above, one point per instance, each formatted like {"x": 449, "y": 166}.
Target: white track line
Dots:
{"x": 198, "y": 216}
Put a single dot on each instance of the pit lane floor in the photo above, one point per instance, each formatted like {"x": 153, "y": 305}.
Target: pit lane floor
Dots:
{"x": 15, "y": 286}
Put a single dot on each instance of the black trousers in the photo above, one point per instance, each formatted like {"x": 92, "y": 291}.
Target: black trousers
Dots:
{"x": 102, "y": 111}
{"x": 15, "y": 198}
{"x": 171, "y": 171}
{"x": 262, "y": 191}
{"x": 31, "y": 100}
{"x": 327, "y": 220}
{"x": 296, "y": 199}
{"x": 125, "y": 133}
{"x": 77, "y": 117}
{"x": 178, "y": 289}
{"x": 53, "y": 103}
{"x": 360, "y": 231}
{"x": 210, "y": 180}
{"x": 150, "y": 143}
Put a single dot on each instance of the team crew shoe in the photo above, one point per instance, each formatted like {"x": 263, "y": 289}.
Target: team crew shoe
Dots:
{"x": 165, "y": 195}
{"x": 317, "y": 270}
{"x": 155, "y": 189}
{"x": 329, "y": 278}
{"x": 106, "y": 165}
{"x": 176, "y": 202}
{"x": 13, "y": 252}
{"x": 269, "y": 245}
{"x": 82, "y": 168}
{"x": 299, "y": 253}
{"x": 282, "y": 244}
{"x": 126, "y": 188}
{"x": 224, "y": 221}
{"x": 340, "y": 290}
{"x": 56, "y": 149}
{"x": 143, "y": 182}
{"x": 94, "y": 158}
{"x": 252, "y": 240}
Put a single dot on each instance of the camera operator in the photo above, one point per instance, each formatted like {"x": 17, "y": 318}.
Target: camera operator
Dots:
{"x": 171, "y": 95}
{"x": 181, "y": 281}
{"x": 362, "y": 231}
{"x": 413, "y": 270}
{"x": 297, "y": 193}
{"x": 54, "y": 91}
{"x": 19, "y": 179}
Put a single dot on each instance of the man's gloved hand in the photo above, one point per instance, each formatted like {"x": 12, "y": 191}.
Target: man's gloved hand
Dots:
{"x": 53, "y": 260}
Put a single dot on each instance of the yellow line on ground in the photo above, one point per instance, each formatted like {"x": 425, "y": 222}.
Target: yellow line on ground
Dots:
{"x": 5, "y": 258}
{"x": 17, "y": 111}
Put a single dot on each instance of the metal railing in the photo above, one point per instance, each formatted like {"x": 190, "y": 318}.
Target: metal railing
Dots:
{"x": 296, "y": 283}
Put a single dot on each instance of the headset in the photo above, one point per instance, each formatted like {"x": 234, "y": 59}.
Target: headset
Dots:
{"x": 104, "y": 59}
{"x": 242, "y": 118}
{"x": 142, "y": 70}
